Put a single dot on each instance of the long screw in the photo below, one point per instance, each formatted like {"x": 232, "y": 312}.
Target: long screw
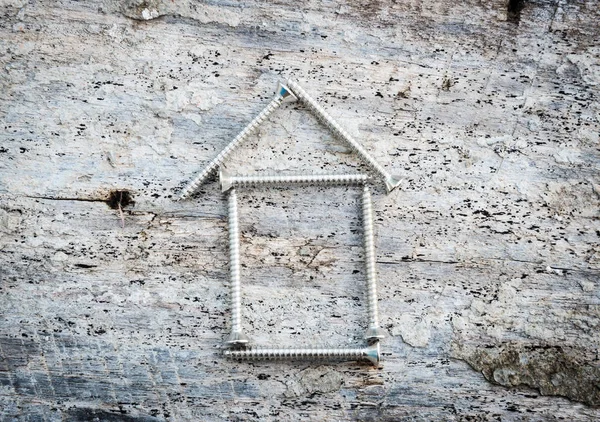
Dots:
{"x": 227, "y": 181}
{"x": 283, "y": 94}
{"x": 236, "y": 337}
{"x": 374, "y": 333}
{"x": 371, "y": 354}
{"x": 390, "y": 182}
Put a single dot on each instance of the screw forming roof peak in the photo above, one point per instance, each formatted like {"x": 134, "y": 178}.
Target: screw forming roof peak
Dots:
{"x": 291, "y": 92}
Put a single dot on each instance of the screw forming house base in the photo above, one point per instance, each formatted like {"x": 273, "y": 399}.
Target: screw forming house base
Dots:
{"x": 239, "y": 346}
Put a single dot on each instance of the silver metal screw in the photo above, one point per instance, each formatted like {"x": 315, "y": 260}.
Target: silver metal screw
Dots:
{"x": 236, "y": 337}
{"x": 390, "y": 182}
{"x": 283, "y": 94}
{"x": 227, "y": 181}
{"x": 374, "y": 333}
{"x": 371, "y": 354}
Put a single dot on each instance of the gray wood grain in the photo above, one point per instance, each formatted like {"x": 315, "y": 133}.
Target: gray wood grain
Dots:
{"x": 488, "y": 254}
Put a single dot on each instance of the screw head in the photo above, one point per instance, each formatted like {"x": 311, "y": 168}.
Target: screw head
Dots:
{"x": 237, "y": 338}
{"x": 373, "y": 353}
{"x": 224, "y": 179}
{"x": 286, "y": 93}
{"x": 374, "y": 334}
{"x": 391, "y": 183}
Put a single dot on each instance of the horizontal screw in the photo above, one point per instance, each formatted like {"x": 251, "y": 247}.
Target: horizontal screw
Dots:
{"x": 283, "y": 94}
{"x": 227, "y": 181}
{"x": 374, "y": 333}
{"x": 390, "y": 182}
{"x": 371, "y": 354}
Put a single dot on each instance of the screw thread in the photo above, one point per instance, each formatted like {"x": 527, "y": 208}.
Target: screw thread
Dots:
{"x": 371, "y": 354}
{"x": 341, "y": 179}
{"x": 216, "y": 162}
{"x": 370, "y": 258}
{"x": 234, "y": 262}
{"x": 322, "y": 115}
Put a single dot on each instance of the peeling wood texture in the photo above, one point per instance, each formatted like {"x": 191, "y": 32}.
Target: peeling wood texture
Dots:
{"x": 114, "y": 298}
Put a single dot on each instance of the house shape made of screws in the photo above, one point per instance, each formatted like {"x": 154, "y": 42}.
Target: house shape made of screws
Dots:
{"x": 238, "y": 345}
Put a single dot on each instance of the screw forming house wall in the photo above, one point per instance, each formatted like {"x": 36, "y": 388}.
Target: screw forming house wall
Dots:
{"x": 114, "y": 297}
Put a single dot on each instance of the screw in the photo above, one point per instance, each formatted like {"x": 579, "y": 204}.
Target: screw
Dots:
{"x": 390, "y": 182}
{"x": 236, "y": 337}
{"x": 371, "y": 353}
{"x": 228, "y": 181}
{"x": 374, "y": 333}
{"x": 283, "y": 94}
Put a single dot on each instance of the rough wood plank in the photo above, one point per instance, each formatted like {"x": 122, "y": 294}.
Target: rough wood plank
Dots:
{"x": 488, "y": 254}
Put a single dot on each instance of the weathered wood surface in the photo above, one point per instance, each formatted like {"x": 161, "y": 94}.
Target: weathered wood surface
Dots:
{"x": 488, "y": 253}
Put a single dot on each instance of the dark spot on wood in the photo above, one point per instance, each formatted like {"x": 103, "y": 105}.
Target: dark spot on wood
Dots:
{"x": 405, "y": 93}
{"x": 119, "y": 199}
{"x": 446, "y": 84}
{"x": 89, "y": 414}
{"x": 514, "y": 9}
{"x": 85, "y": 266}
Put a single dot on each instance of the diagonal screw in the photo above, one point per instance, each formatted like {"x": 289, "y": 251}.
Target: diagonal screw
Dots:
{"x": 390, "y": 182}
{"x": 283, "y": 94}
{"x": 236, "y": 337}
{"x": 371, "y": 354}
{"x": 227, "y": 181}
{"x": 374, "y": 333}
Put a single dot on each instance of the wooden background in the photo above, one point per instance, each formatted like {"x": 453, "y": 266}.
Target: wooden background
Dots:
{"x": 114, "y": 298}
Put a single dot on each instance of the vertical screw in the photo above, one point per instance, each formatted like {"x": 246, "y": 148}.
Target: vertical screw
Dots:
{"x": 390, "y": 182}
{"x": 236, "y": 337}
{"x": 283, "y": 94}
{"x": 371, "y": 354}
{"x": 227, "y": 181}
{"x": 374, "y": 333}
